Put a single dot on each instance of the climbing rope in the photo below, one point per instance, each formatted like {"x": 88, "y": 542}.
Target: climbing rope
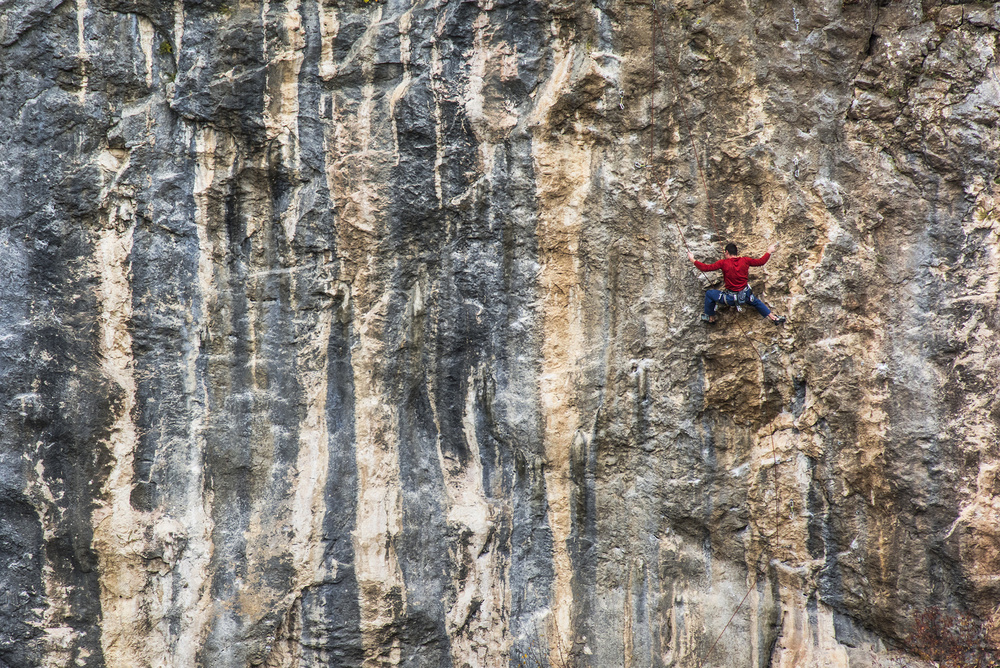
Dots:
{"x": 657, "y": 25}
{"x": 732, "y": 617}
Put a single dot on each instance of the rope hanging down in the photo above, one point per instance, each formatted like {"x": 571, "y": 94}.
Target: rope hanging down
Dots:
{"x": 657, "y": 26}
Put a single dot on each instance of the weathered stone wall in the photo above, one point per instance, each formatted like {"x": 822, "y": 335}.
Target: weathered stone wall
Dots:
{"x": 346, "y": 333}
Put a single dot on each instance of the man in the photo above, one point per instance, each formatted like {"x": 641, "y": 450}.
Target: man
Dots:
{"x": 735, "y": 273}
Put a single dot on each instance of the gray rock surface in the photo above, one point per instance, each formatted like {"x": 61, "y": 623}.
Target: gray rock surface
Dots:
{"x": 346, "y": 333}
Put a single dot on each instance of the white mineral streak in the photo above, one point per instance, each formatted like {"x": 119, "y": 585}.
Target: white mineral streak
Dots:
{"x": 294, "y": 530}
{"x": 146, "y": 34}
{"x": 281, "y": 102}
{"x": 756, "y": 623}
{"x": 329, "y": 26}
{"x": 491, "y": 121}
{"x": 404, "y": 85}
{"x": 477, "y": 71}
{"x": 204, "y": 176}
{"x": 627, "y": 629}
{"x": 81, "y": 48}
{"x": 194, "y": 598}
{"x": 354, "y": 175}
{"x": 379, "y": 509}
{"x": 134, "y": 550}
{"x": 308, "y": 502}
{"x": 334, "y": 139}
{"x": 563, "y": 171}
{"x": 119, "y": 531}
{"x": 491, "y": 116}
{"x": 58, "y": 638}
{"x": 685, "y": 622}
{"x": 178, "y": 28}
{"x": 378, "y": 521}
{"x": 477, "y": 622}
{"x": 439, "y": 89}
{"x": 807, "y": 639}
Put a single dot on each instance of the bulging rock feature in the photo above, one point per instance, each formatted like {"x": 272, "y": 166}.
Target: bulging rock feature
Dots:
{"x": 362, "y": 334}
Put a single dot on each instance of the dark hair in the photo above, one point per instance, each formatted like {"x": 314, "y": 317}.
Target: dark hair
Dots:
{"x": 731, "y": 249}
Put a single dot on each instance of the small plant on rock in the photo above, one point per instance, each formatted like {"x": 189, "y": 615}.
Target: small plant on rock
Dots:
{"x": 534, "y": 653}
{"x": 955, "y": 640}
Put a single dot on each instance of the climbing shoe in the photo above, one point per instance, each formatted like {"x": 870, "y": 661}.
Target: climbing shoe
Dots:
{"x": 780, "y": 321}
{"x": 705, "y": 318}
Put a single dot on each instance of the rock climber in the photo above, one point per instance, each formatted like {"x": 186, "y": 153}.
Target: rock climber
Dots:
{"x": 735, "y": 273}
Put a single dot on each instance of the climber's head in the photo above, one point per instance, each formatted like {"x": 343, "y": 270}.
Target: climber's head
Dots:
{"x": 731, "y": 250}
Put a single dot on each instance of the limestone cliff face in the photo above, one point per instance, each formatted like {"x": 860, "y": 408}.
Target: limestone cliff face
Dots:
{"x": 346, "y": 333}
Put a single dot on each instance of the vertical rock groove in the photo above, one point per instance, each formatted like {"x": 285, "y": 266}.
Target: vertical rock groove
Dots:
{"x": 562, "y": 195}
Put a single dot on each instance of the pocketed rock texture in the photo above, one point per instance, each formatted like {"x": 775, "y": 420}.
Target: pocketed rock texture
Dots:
{"x": 347, "y": 333}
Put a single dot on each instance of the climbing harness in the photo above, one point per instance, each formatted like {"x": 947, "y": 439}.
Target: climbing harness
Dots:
{"x": 738, "y": 299}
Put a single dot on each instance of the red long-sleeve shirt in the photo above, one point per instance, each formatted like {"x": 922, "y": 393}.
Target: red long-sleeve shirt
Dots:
{"x": 735, "y": 270}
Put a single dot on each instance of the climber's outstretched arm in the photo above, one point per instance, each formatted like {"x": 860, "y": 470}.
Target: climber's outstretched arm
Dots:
{"x": 715, "y": 266}
{"x": 762, "y": 260}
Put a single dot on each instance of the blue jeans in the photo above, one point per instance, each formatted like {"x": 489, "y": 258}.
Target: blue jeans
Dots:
{"x": 718, "y": 296}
